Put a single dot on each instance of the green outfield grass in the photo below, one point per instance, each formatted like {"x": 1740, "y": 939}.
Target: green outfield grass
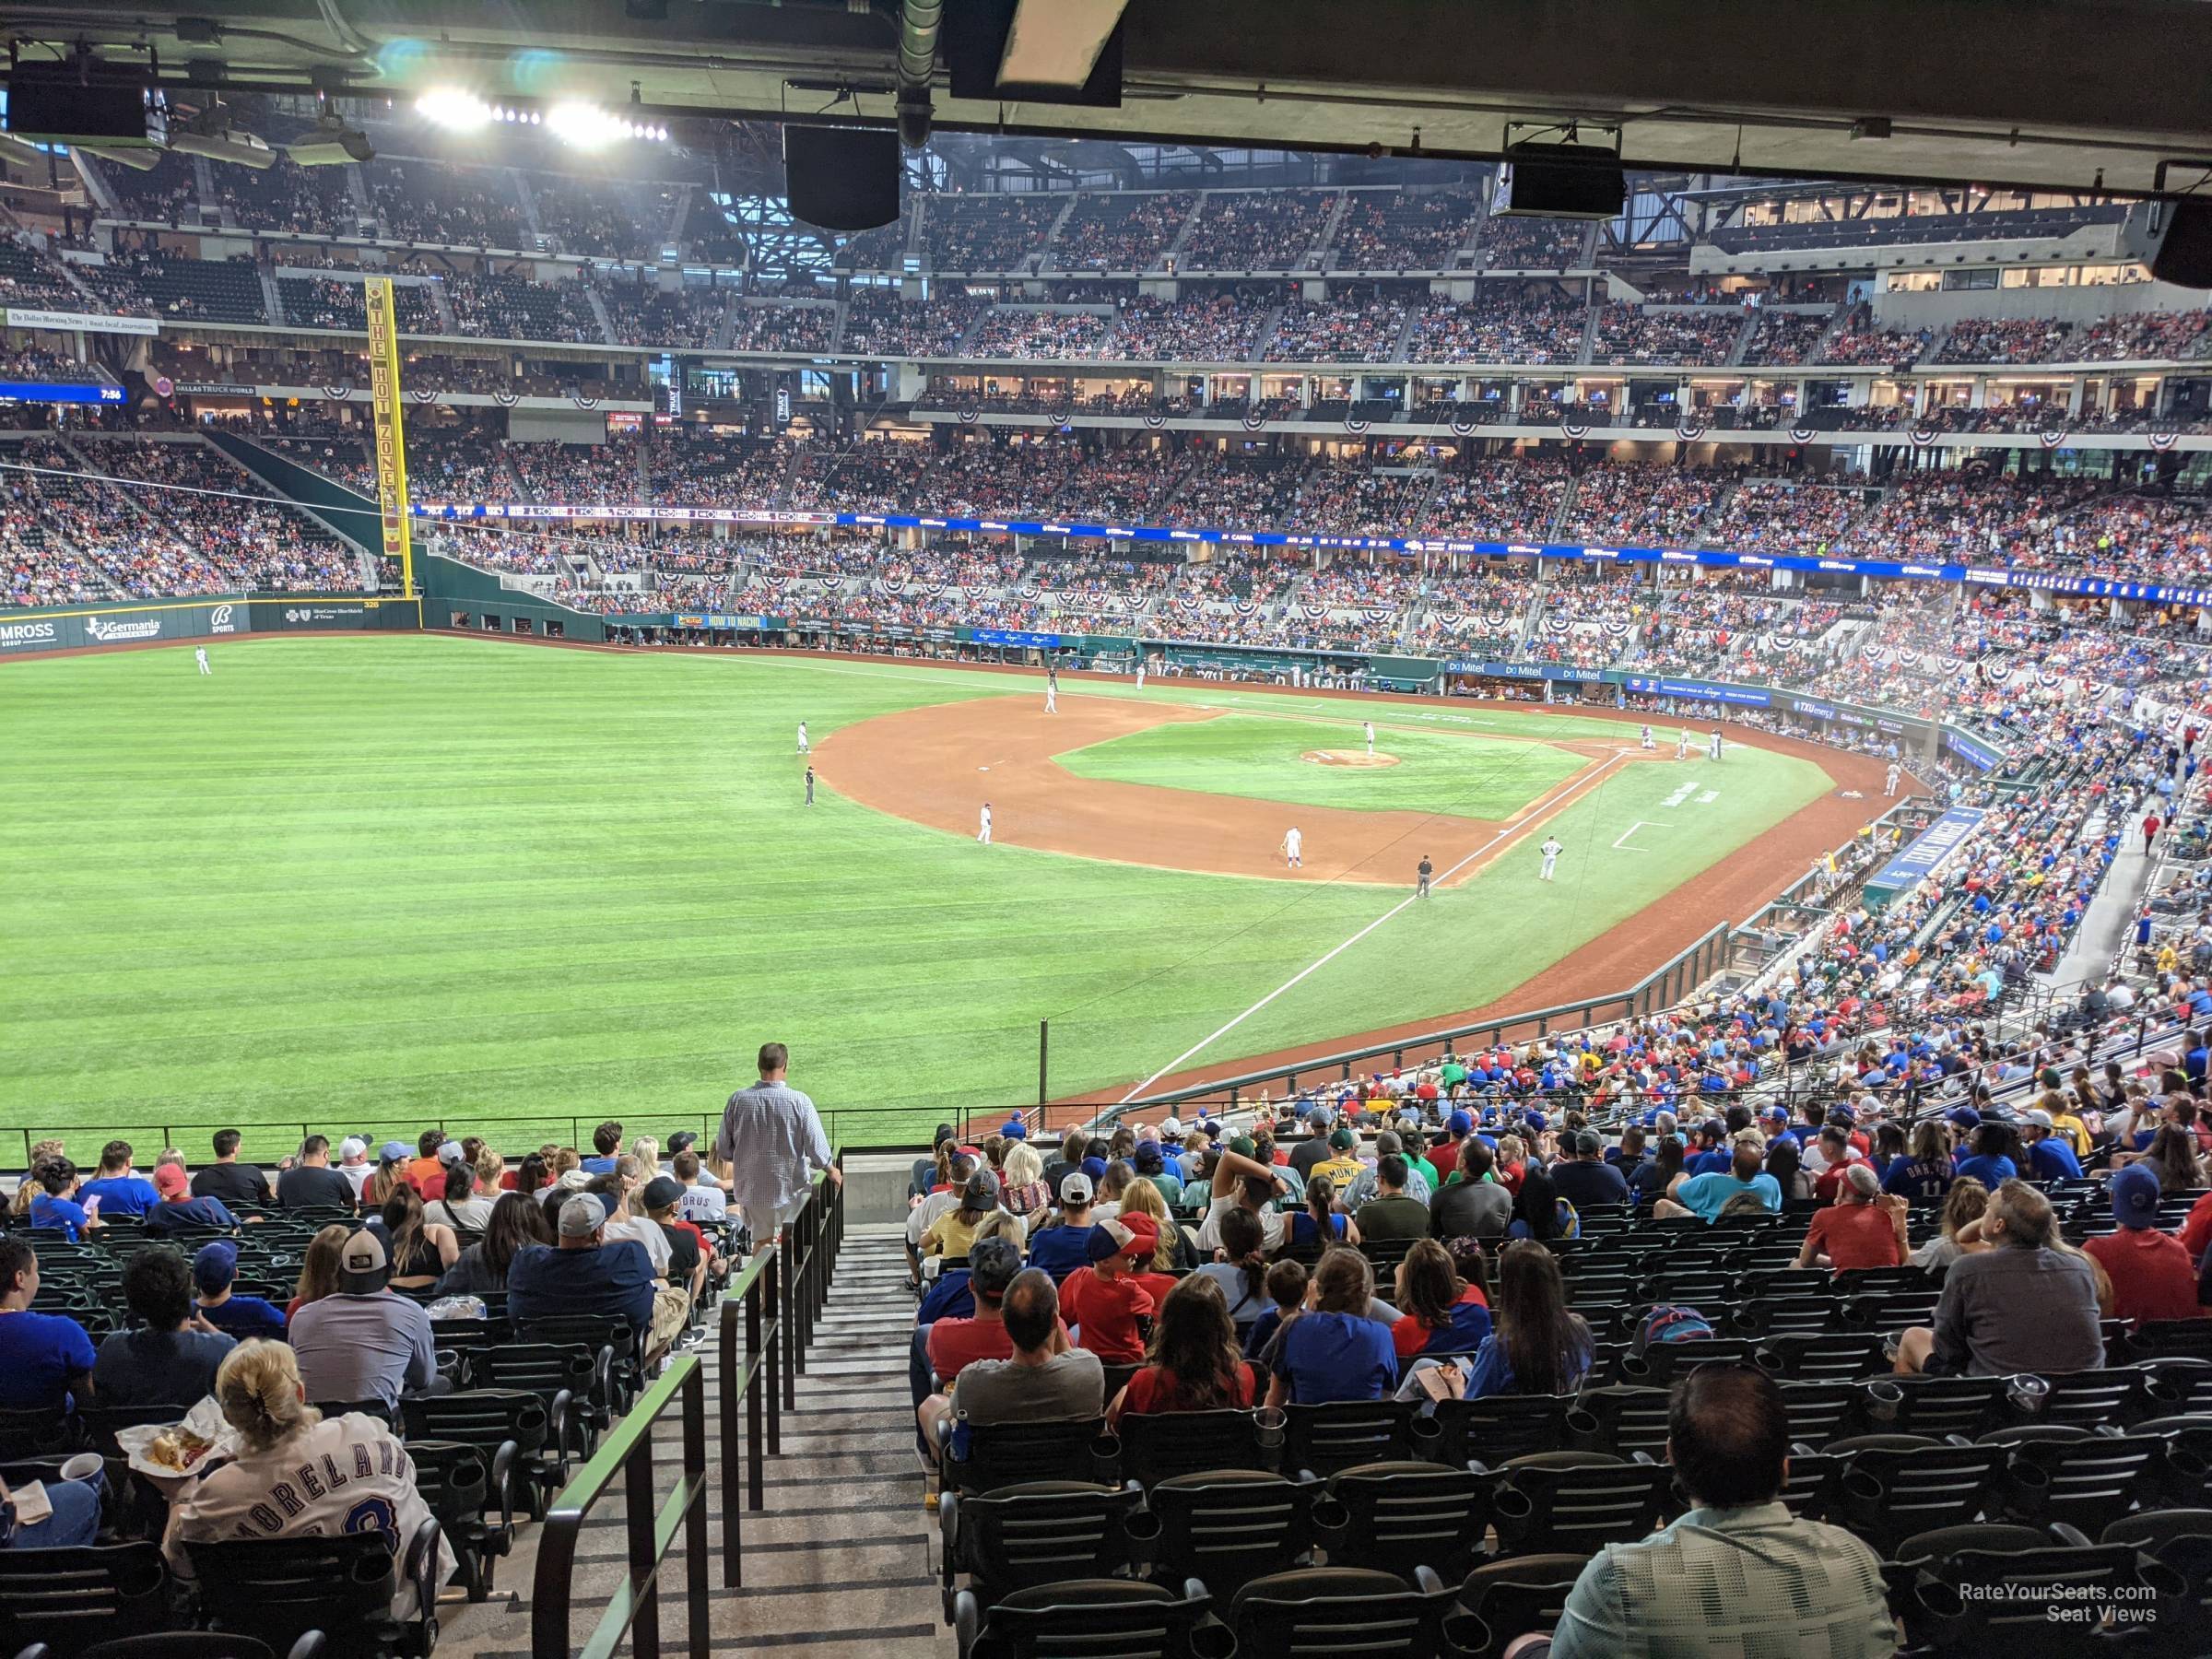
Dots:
{"x": 1261, "y": 755}
{"x": 362, "y": 884}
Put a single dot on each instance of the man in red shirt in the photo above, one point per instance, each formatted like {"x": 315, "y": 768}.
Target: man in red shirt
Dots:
{"x": 2150, "y": 830}
{"x": 1864, "y": 1228}
{"x": 2151, "y": 1272}
{"x": 955, "y": 1343}
{"x": 1104, "y": 1302}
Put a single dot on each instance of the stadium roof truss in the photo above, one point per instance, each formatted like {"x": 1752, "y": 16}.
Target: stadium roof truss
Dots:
{"x": 2062, "y": 94}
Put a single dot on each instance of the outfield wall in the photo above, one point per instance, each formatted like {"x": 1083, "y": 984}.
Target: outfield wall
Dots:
{"x": 37, "y": 629}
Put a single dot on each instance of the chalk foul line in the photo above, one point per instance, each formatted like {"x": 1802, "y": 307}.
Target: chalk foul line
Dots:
{"x": 1516, "y": 827}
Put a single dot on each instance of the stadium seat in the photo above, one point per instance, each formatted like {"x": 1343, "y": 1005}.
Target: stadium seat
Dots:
{"x": 575, "y": 1381}
{"x": 2086, "y": 1483}
{"x": 1894, "y": 1486}
{"x": 276, "y": 1590}
{"x": 1091, "y": 1619}
{"x": 462, "y": 1488}
{"x": 489, "y": 1419}
{"x": 1498, "y": 1427}
{"x": 1324, "y": 1438}
{"x": 1228, "y": 1526}
{"x": 1516, "y": 1597}
{"x": 1976, "y": 1601}
{"x": 1157, "y": 1445}
{"x": 1343, "y": 1610}
{"x": 1005, "y": 1455}
{"x": 1045, "y": 1532}
{"x": 1561, "y": 1502}
{"x": 73, "y": 1598}
{"x": 1382, "y": 1516}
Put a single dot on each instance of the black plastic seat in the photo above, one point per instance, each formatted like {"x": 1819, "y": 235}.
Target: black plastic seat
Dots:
{"x": 557, "y": 1372}
{"x": 1661, "y": 1363}
{"x": 34, "y": 1432}
{"x": 2180, "y": 1538}
{"x": 1224, "y": 1527}
{"x": 2086, "y": 1483}
{"x": 488, "y": 1419}
{"x": 472, "y": 1493}
{"x": 1324, "y": 1439}
{"x": 1936, "y": 1406}
{"x": 1497, "y": 1426}
{"x": 1518, "y": 1596}
{"x": 199, "y": 1644}
{"x": 1088, "y": 1618}
{"x": 1339, "y": 1610}
{"x": 1897, "y": 1485}
{"x": 2042, "y": 1604}
{"x": 1559, "y": 1502}
{"x": 276, "y": 1590}
{"x": 1384, "y": 1515}
{"x": 1043, "y": 1533}
{"x": 1005, "y": 1455}
{"x": 71, "y": 1598}
{"x": 1828, "y": 1357}
{"x": 2094, "y": 1399}
{"x": 1156, "y": 1446}
{"x": 1620, "y": 1419}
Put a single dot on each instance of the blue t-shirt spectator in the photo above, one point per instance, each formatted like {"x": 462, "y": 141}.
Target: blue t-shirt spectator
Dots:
{"x": 1326, "y": 1357}
{"x": 159, "y": 1368}
{"x": 46, "y": 1210}
{"x": 39, "y": 1354}
{"x": 1718, "y": 1162}
{"x": 952, "y": 1297}
{"x": 1915, "y": 1179}
{"x": 120, "y": 1195}
{"x": 246, "y": 1317}
{"x": 1705, "y": 1196}
{"x": 1261, "y": 1332}
{"x": 165, "y": 1218}
{"x": 615, "y": 1277}
{"x": 1493, "y": 1370}
{"x": 2051, "y": 1159}
{"x": 1304, "y": 1232}
{"x": 1060, "y": 1250}
{"x": 1988, "y": 1168}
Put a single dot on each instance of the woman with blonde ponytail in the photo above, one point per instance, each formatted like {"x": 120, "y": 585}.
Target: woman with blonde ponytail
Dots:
{"x": 297, "y": 1473}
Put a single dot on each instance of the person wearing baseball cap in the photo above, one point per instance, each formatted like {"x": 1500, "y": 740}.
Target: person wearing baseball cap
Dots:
{"x": 353, "y": 1163}
{"x": 952, "y": 1233}
{"x": 1102, "y": 1301}
{"x": 179, "y": 1209}
{"x": 583, "y": 1271}
{"x": 1864, "y": 1228}
{"x": 2152, "y": 1275}
{"x": 1063, "y": 1245}
{"x": 2050, "y": 1155}
{"x": 690, "y": 1255}
{"x": 362, "y": 1342}
{"x": 214, "y": 1270}
{"x": 1342, "y": 1167}
{"x": 944, "y": 1346}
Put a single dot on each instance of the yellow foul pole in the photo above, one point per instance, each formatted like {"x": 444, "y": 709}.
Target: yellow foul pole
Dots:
{"x": 391, "y": 445}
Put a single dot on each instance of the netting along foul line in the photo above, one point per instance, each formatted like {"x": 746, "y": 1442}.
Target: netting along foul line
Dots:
{"x": 1513, "y": 828}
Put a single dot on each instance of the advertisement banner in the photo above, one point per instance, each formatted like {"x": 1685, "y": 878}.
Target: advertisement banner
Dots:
{"x": 391, "y": 443}
{"x": 22, "y": 634}
{"x": 1979, "y": 756}
{"x": 716, "y": 620}
{"x": 19, "y": 317}
{"x": 213, "y": 389}
{"x": 1927, "y": 851}
{"x": 1006, "y": 636}
{"x": 1749, "y": 696}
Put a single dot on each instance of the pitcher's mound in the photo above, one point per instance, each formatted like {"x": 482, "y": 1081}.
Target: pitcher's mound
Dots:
{"x": 1348, "y": 758}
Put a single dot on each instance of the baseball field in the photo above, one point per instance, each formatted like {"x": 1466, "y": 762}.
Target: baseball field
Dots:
{"x": 367, "y": 884}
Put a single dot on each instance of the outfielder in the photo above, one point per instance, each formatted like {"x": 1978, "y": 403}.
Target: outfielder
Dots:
{"x": 1551, "y": 851}
{"x": 1294, "y": 848}
{"x": 200, "y": 654}
{"x": 982, "y": 831}
{"x": 810, "y": 786}
{"x": 1369, "y": 726}
{"x": 802, "y": 738}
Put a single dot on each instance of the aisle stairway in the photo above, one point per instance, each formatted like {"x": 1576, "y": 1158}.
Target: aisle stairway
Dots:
{"x": 840, "y": 1562}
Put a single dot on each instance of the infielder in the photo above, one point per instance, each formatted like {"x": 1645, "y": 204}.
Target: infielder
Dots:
{"x": 1424, "y": 872}
{"x": 1140, "y": 674}
{"x": 810, "y": 786}
{"x": 1716, "y": 743}
{"x": 1648, "y": 741}
{"x": 1551, "y": 851}
{"x": 982, "y": 831}
{"x": 1294, "y": 848}
{"x": 200, "y": 654}
{"x": 1682, "y": 744}
{"x": 1369, "y": 726}
{"x": 1889, "y": 779}
{"x": 802, "y": 736}
{"x": 1052, "y": 697}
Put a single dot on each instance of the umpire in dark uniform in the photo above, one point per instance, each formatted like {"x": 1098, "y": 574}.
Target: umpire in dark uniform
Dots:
{"x": 1427, "y": 870}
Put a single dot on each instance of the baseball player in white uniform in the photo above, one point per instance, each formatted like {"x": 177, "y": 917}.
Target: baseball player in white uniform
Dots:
{"x": 982, "y": 831}
{"x": 200, "y": 655}
{"x": 1051, "y": 697}
{"x": 802, "y": 738}
{"x": 1890, "y": 778}
{"x": 1294, "y": 848}
{"x": 1140, "y": 674}
{"x": 1551, "y": 851}
{"x": 1369, "y": 726}
{"x": 1716, "y": 743}
{"x": 1647, "y": 740}
{"x": 1682, "y": 744}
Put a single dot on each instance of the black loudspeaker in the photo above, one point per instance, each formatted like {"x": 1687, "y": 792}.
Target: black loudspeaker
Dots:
{"x": 2184, "y": 258}
{"x": 1560, "y": 181}
{"x": 55, "y": 101}
{"x": 842, "y": 178}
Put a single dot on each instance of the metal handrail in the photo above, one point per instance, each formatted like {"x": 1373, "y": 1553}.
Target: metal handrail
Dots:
{"x": 776, "y": 1299}
{"x": 635, "y": 1609}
